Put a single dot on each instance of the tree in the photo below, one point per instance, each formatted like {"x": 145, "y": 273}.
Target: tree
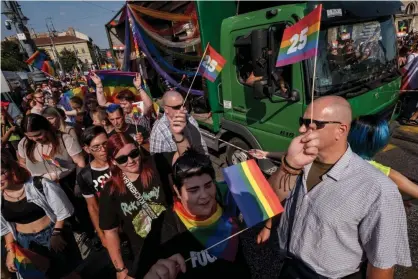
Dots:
{"x": 68, "y": 60}
{"x": 11, "y": 57}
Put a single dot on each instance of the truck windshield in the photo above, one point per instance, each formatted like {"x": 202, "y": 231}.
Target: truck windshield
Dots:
{"x": 354, "y": 55}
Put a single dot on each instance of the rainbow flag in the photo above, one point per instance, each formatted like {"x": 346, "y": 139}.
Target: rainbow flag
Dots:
{"x": 114, "y": 82}
{"x": 51, "y": 160}
{"x": 212, "y": 64}
{"x": 37, "y": 59}
{"x": 300, "y": 41}
{"x": 253, "y": 194}
{"x": 30, "y": 265}
{"x": 48, "y": 68}
{"x": 211, "y": 231}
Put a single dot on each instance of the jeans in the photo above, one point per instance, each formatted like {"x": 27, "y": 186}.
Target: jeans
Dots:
{"x": 62, "y": 263}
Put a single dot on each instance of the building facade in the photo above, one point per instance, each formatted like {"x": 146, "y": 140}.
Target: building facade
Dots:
{"x": 407, "y": 21}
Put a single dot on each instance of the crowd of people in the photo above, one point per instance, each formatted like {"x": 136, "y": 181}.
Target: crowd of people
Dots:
{"x": 137, "y": 185}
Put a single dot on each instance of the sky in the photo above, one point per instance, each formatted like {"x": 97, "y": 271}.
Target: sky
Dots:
{"x": 88, "y": 17}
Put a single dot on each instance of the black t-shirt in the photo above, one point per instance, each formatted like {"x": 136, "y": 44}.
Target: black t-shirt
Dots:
{"x": 92, "y": 183}
{"x": 125, "y": 210}
{"x": 168, "y": 236}
{"x": 130, "y": 131}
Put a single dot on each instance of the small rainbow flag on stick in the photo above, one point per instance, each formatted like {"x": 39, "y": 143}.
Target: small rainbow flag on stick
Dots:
{"x": 300, "y": 41}
{"x": 253, "y": 194}
{"x": 51, "y": 160}
{"x": 37, "y": 59}
{"x": 211, "y": 231}
{"x": 212, "y": 64}
{"x": 30, "y": 265}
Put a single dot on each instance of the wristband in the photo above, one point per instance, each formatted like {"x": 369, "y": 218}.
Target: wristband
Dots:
{"x": 287, "y": 169}
{"x": 118, "y": 270}
{"x": 287, "y": 164}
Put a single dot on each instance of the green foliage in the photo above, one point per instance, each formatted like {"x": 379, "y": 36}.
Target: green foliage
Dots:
{"x": 68, "y": 60}
{"x": 11, "y": 57}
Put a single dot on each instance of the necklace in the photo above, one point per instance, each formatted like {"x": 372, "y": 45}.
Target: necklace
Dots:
{"x": 17, "y": 198}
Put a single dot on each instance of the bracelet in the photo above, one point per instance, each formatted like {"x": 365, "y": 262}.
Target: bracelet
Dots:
{"x": 100, "y": 87}
{"x": 288, "y": 170}
{"x": 120, "y": 269}
{"x": 287, "y": 164}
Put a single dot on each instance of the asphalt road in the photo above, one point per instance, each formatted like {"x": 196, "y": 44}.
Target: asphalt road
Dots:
{"x": 401, "y": 154}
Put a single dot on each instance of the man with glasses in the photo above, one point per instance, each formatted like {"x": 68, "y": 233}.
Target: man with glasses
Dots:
{"x": 39, "y": 100}
{"x": 161, "y": 139}
{"x": 343, "y": 216}
{"x": 93, "y": 177}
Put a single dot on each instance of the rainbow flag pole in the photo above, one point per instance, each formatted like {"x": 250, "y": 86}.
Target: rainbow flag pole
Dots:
{"x": 197, "y": 71}
{"x": 319, "y": 8}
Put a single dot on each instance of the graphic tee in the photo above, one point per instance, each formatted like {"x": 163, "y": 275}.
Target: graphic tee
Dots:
{"x": 93, "y": 187}
{"x": 125, "y": 210}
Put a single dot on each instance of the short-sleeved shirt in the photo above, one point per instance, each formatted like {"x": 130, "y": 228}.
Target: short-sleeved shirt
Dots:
{"x": 382, "y": 168}
{"x": 354, "y": 213}
{"x": 161, "y": 139}
{"x": 124, "y": 209}
{"x": 143, "y": 121}
{"x": 68, "y": 147}
{"x": 92, "y": 180}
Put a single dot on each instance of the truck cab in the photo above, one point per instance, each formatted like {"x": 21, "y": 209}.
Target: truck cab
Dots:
{"x": 261, "y": 104}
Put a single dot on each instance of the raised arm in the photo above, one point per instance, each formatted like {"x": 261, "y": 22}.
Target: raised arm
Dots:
{"x": 143, "y": 94}
{"x": 177, "y": 126}
{"x": 101, "y": 99}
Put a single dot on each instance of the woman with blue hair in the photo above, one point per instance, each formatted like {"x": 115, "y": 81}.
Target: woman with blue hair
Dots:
{"x": 368, "y": 136}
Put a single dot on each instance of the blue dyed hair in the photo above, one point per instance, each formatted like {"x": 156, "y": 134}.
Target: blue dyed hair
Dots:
{"x": 368, "y": 135}
{"x": 114, "y": 107}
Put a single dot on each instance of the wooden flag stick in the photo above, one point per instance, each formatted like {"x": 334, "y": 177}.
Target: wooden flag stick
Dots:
{"x": 195, "y": 74}
{"x": 314, "y": 71}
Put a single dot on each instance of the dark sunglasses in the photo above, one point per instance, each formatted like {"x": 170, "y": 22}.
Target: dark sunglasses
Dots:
{"x": 175, "y": 107}
{"x": 124, "y": 158}
{"x": 319, "y": 124}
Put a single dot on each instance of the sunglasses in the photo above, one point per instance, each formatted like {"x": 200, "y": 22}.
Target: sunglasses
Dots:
{"x": 319, "y": 124}
{"x": 175, "y": 107}
{"x": 124, "y": 158}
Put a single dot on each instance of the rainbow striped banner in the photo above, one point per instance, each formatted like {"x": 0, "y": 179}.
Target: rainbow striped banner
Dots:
{"x": 48, "y": 68}
{"x": 253, "y": 194}
{"x": 211, "y": 231}
{"x": 300, "y": 41}
{"x": 212, "y": 64}
{"x": 30, "y": 265}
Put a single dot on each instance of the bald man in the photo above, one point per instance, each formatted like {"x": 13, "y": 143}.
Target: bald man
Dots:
{"x": 161, "y": 139}
{"x": 343, "y": 217}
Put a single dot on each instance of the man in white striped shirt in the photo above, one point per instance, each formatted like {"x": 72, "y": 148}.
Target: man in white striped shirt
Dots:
{"x": 341, "y": 213}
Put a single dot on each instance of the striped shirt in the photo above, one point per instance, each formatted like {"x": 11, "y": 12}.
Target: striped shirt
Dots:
{"x": 354, "y": 213}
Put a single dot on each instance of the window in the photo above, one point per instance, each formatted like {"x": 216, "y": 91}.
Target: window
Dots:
{"x": 264, "y": 45}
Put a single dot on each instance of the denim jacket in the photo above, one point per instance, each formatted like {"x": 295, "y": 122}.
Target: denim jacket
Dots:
{"x": 54, "y": 201}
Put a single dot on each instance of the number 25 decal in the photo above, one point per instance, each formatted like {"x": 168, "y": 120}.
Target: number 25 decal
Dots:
{"x": 298, "y": 41}
{"x": 209, "y": 63}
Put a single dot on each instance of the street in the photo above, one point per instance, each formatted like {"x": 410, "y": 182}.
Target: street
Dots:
{"x": 401, "y": 154}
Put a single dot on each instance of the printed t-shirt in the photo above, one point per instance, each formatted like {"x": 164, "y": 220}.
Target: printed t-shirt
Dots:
{"x": 124, "y": 209}
{"x": 92, "y": 184}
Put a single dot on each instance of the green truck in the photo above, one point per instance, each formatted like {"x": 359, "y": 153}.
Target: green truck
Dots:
{"x": 357, "y": 59}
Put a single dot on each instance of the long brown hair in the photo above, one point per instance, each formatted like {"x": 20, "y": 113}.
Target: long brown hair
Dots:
{"x": 34, "y": 123}
{"x": 18, "y": 173}
{"x": 114, "y": 144}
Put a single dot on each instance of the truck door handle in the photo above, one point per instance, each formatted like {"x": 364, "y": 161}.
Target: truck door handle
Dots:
{"x": 241, "y": 109}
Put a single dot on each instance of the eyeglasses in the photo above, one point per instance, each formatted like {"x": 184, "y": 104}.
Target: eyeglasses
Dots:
{"x": 98, "y": 147}
{"x": 124, "y": 158}
{"x": 319, "y": 124}
{"x": 175, "y": 107}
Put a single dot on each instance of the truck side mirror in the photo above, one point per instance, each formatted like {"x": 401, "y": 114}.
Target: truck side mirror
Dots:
{"x": 259, "y": 47}
{"x": 259, "y": 89}
{"x": 294, "y": 96}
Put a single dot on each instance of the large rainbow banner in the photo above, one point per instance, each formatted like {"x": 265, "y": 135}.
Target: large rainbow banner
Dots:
{"x": 253, "y": 194}
{"x": 300, "y": 41}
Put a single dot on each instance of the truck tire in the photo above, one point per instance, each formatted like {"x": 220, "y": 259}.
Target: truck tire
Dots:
{"x": 235, "y": 156}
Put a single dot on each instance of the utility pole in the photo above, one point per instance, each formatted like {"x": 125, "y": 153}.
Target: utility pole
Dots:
{"x": 13, "y": 12}
{"x": 56, "y": 54}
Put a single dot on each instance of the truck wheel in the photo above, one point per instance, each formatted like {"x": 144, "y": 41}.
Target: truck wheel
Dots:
{"x": 235, "y": 156}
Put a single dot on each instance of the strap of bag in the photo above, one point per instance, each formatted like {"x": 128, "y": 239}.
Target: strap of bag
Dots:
{"x": 139, "y": 197}
{"x": 292, "y": 212}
